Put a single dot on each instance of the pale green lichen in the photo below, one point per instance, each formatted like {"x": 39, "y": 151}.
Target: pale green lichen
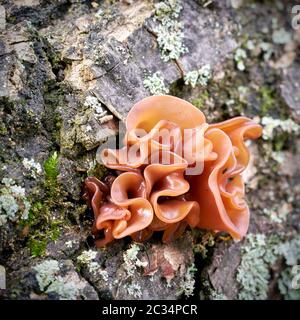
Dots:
{"x": 253, "y": 274}
{"x": 217, "y": 296}
{"x": 131, "y": 264}
{"x": 277, "y": 156}
{"x": 49, "y": 280}
{"x": 170, "y": 30}
{"x": 86, "y": 123}
{"x": 87, "y": 256}
{"x": 291, "y": 251}
{"x": 268, "y": 50}
{"x": 87, "y": 259}
{"x": 69, "y": 244}
{"x": 210, "y": 293}
{"x": 99, "y": 14}
{"x": 286, "y": 285}
{"x": 191, "y": 78}
{"x": 46, "y": 272}
{"x": 278, "y": 213}
{"x": 103, "y": 274}
{"x": 8, "y": 208}
{"x": 99, "y": 112}
{"x": 240, "y": 56}
{"x": 34, "y": 168}
{"x": 156, "y": 84}
{"x": 93, "y": 267}
{"x": 281, "y": 36}
{"x": 12, "y": 202}
{"x": 65, "y": 290}
{"x": 200, "y": 76}
{"x": 270, "y": 125}
{"x": 131, "y": 260}
{"x": 289, "y": 281}
{"x": 187, "y": 283}
{"x": 134, "y": 289}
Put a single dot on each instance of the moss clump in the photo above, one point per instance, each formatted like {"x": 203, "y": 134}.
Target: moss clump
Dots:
{"x": 200, "y": 101}
{"x": 267, "y": 100}
{"x": 37, "y": 247}
{"x": 98, "y": 170}
{"x": 51, "y": 173}
{"x": 205, "y": 240}
{"x": 55, "y": 98}
{"x": 43, "y": 227}
{"x": 3, "y": 129}
{"x": 51, "y": 167}
{"x": 279, "y": 132}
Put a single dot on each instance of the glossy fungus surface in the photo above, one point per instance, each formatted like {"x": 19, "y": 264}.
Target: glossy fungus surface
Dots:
{"x": 174, "y": 170}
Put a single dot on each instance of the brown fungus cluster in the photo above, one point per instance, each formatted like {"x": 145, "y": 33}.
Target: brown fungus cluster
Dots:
{"x": 188, "y": 176}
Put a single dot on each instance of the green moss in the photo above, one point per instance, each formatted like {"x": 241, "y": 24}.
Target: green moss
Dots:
{"x": 37, "y": 247}
{"x": 55, "y": 98}
{"x": 200, "y": 101}
{"x": 32, "y": 216}
{"x": 51, "y": 173}
{"x": 51, "y": 167}
{"x": 267, "y": 100}
{"x": 98, "y": 170}
{"x": 3, "y": 129}
{"x": 204, "y": 241}
{"x": 43, "y": 228}
{"x": 280, "y": 133}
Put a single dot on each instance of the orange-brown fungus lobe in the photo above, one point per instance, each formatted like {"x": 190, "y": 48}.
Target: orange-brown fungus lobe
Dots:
{"x": 155, "y": 191}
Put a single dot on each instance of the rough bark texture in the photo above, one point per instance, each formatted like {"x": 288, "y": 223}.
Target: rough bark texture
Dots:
{"x": 54, "y": 58}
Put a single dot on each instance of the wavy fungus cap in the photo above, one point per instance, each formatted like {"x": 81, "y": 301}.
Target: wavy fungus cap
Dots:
{"x": 175, "y": 170}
